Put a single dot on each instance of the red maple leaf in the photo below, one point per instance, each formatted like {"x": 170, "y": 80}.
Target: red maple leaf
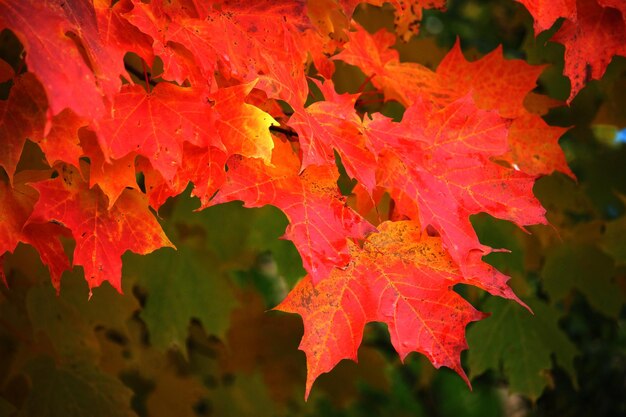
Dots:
{"x": 593, "y": 32}
{"x": 591, "y": 41}
{"x": 400, "y": 277}
{"x": 16, "y": 205}
{"x": 118, "y": 34}
{"x": 42, "y": 28}
{"x": 534, "y": 147}
{"x": 401, "y": 81}
{"x": 113, "y": 176}
{"x": 102, "y": 235}
{"x": 204, "y": 168}
{"x": 238, "y": 37}
{"x": 438, "y": 166}
{"x": 546, "y": 12}
{"x": 168, "y": 37}
{"x": 333, "y": 124}
{"x": 495, "y": 83}
{"x": 62, "y": 143}
{"x": 22, "y": 116}
{"x": 242, "y": 127}
{"x": 156, "y": 124}
{"x": 321, "y": 225}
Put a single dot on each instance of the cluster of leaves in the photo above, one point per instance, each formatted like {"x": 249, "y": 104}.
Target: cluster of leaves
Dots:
{"x": 223, "y": 95}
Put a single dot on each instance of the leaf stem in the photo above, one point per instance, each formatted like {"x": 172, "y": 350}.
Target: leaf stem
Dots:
{"x": 364, "y": 83}
{"x": 145, "y": 75}
{"x": 285, "y": 131}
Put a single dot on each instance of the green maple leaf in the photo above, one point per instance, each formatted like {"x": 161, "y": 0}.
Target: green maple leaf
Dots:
{"x": 74, "y": 391}
{"x": 521, "y": 344}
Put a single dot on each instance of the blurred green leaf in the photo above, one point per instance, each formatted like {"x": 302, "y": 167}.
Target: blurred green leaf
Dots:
{"x": 453, "y": 399}
{"x": 614, "y": 241}
{"x": 237, "y": 235}
{"x": 244, "y": 396}
{"x": 586, "y": 268}
{"x": 398, "y": 400}
{"x": 501, "y": 234}
{"x": 264, "y": 279}
{"x": 565, "y": 201}
{"x": 267, "y": 227}
{"x": 74, "y": 391}
{"x": 521, "y": 343}
{"x": 61, "y": 321}
{"x": 181, "y": 285}
{"x": 106, "y": 307}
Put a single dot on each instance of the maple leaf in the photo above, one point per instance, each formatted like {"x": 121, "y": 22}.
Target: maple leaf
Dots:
{"x": 495, "y": 83}
{"x": 286, "y": 79}
{"x": 591, "y": 41}
{"x": 436, "y": 164}
{"x": 241, "y": 38}
{"x": 61, "y": 143}
{"x": 520, "y": 343}
{"x": 22, "y": 115}
{"x": 16, "y": 205}
{"x": 168, "y": 37}
{"x": 156, "y": 124}
{"x": 593, "y": 32}
{"x": 400, "y": 277}
{"x": 16, "y": 208}
{"x": 114, "y": 176}
{"x": 256, "y": 33}
{"x": 204, "y": 168}
{"x": 107, "y": 64}
{"x": 42, "y": 28}
{"x": 101, "y": 235}
{"x": 326, "y": 126}
{"x": 535, "y": 147}
{"x": 369, "y": 52}
{"x": 321, "y": 225}
{"x": 243, "y": 128}
{"x": 118, "y": 34}
{"x": 66, "y": 31}
{"x": 401, "y": 81}
{"x": 546, "y": 12}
